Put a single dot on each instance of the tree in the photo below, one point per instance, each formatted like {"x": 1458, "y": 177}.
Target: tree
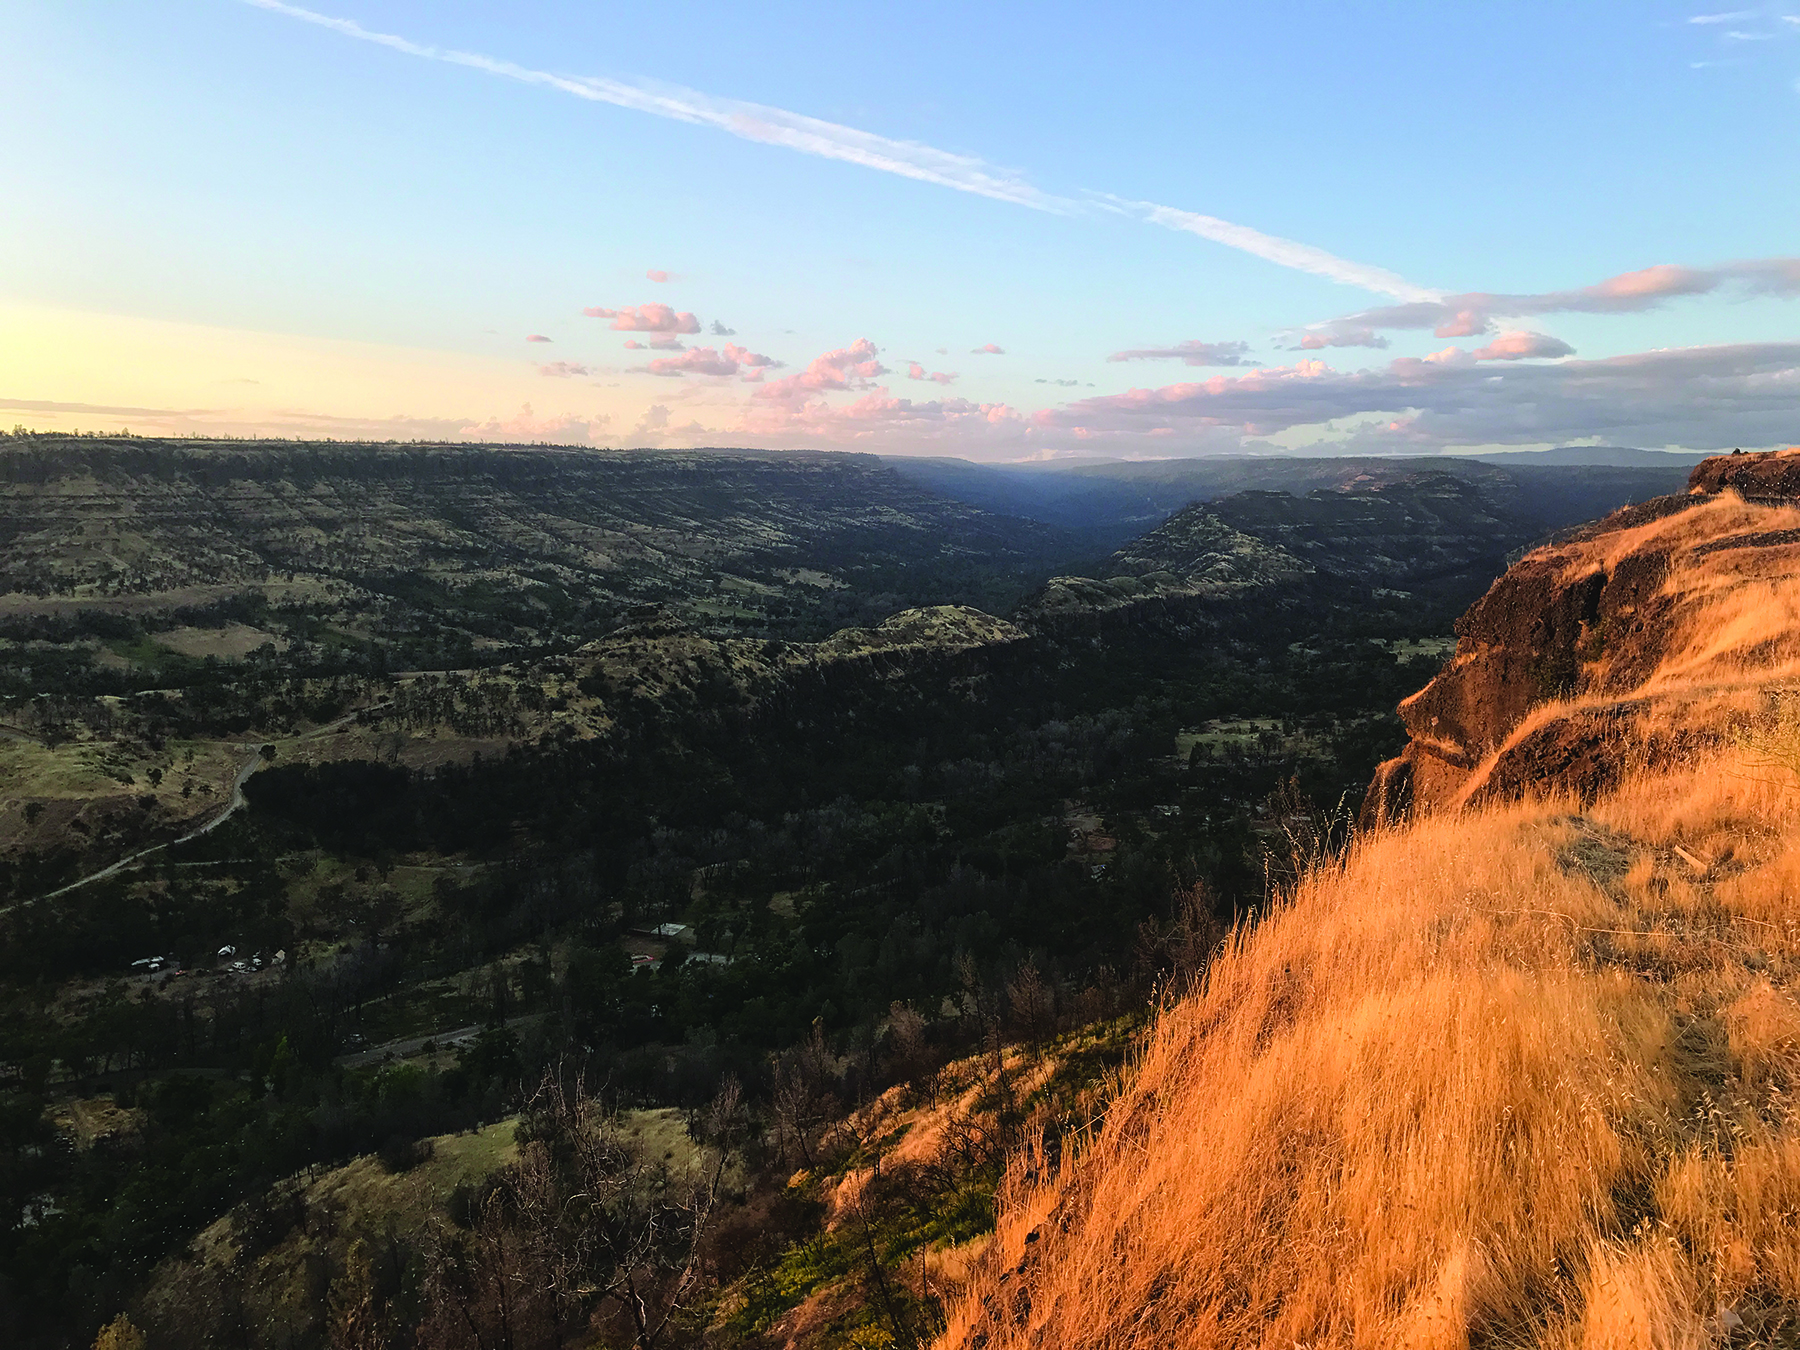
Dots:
{"x": 583, "y": 1232}
{"x": 120, "y": 1334}
{"x": 358, "y": 1319}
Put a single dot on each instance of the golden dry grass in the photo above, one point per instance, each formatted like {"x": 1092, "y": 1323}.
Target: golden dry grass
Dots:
{"x": 1509, "y": 1078}
{"x": 1725, "y": 632}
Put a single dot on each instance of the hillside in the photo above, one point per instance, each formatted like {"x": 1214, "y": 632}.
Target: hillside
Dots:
{"x": 502, "y": 544}
{"x": 1400, "y": 532}
{"x": 1401, "y": 547}
{"x": 1514, "y": 1072}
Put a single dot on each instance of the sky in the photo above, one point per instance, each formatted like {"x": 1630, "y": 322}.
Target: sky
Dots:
{"x": 1001, "y": 232}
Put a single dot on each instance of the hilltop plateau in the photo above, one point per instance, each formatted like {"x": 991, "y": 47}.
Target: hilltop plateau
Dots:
{"x": 508, "y": 545}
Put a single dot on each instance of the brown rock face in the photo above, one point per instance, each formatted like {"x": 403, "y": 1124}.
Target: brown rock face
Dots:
{"x": 1639, "y": 641}
{"x": 1771, "y": 475}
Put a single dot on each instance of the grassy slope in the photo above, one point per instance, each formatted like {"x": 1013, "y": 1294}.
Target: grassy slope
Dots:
{"x": 1518, "y": 1077}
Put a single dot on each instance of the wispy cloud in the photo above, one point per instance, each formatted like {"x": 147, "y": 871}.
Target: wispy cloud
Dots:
{"x": 1190, "y": 353}
{"x": 107, "y": 409}
{"x": 1741, "y": 35}
{"x": 1273, "y": 248}
{"x": 526, "y": 426}
{"x": 750, "y": 121}
{"x": 908, "y": 159}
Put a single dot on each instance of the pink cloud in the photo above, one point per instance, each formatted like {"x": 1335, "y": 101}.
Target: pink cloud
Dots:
{"x": 745, "y": 357}
{"x": 657, "y": 274}
{"x": 1190, "y": 353}
{"x": 881, "y": 406}
{"x": 878, "y": 415}
{"x": 659, "y": 344}
{"x": 1652, "y": 283}
{"x": 1698, "y": 397}
{"x": 1473, "y": 313}
{"x": 705, "y": 361}
{"x": 1354, "y": 337}
{"x": 800, "y": 406}
{"x": 1517, "y": 345}
{"x": 1464, "y": 323}
{"x": 698, "y": 361}
{"x": 564, "y": 370}
{"x": 653, "y": 317}
{"x": 988, "y": 349}
{"x": 915, "y": 371}
{"x": 536, "y": 337}
{"x": 852, "y": 367}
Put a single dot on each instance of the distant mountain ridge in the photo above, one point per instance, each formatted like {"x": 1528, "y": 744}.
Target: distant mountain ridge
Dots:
{"x": 1113, "y": 502}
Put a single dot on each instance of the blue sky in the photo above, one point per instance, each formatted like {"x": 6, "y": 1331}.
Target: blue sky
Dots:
{"x": 266, "y": 217}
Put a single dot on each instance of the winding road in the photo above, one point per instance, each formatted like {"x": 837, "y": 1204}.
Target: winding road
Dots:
{"x": 236, "y": 804}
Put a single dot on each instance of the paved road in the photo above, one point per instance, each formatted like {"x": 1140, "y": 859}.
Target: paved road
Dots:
{"x": 236, "y": 803}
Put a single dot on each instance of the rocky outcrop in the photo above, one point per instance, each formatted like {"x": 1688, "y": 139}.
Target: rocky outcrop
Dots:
{"x": 1641, "y": 639}
{"x": 1771, "y": 475}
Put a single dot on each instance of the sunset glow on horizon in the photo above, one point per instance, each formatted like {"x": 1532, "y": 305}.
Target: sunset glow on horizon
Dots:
{"x": 391, "y": 220}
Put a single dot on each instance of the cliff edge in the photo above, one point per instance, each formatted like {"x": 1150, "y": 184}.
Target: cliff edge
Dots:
{"x": 1636, "y": 642}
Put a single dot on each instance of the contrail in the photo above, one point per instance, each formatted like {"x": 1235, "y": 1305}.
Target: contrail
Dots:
{"x": 908, "y": 159}
{"x": 1282, "y": 252}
